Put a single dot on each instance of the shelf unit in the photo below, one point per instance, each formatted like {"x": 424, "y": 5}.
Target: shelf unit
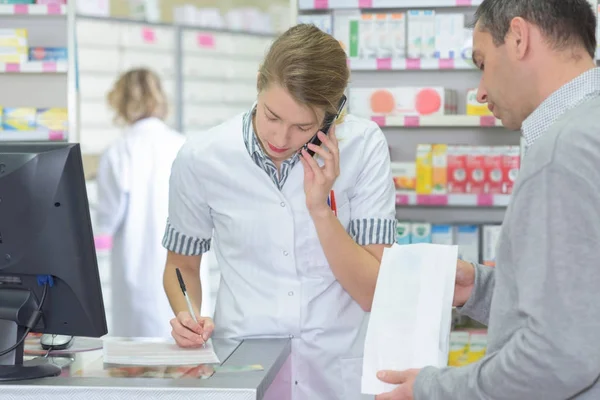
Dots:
{"x": 377, "y": 4}
{"x": 40, "y": 84}
{"x": 208, "y": 75}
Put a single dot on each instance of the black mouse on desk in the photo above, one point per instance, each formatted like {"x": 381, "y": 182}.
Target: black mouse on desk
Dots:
{"x": 55, "y": 342}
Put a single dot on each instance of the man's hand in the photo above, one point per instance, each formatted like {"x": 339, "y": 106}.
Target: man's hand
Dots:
{"x": 405, "y": 380}
{"x": 465, "y": 280}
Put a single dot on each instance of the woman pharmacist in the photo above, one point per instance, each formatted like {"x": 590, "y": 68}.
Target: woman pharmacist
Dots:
{"x": 298, "y": 239}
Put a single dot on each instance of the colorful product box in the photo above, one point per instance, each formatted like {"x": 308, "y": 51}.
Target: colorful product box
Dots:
{"x": 414, "y": 34}
{"x": 493, "y": 170}
{"x": 420, "y": 233}
{"x": 403, "y": 232}
{"x": 402, "y": 101}
{"x": 48, "y": 54}
{"x": 459, "y": 348}
{"x": 397, "y": 28}
{"x": 474, "y": 107}
{"x": 13, "y": 37}
{"x": 54, "y": 119}
{"x": 510, "y": 168}
{"x": 404, "y": 175}
{"x": 17, "y": 1}
{"x": 439, "y": 161}
{"x": 475, "y": 170}
{"x": 457, "y": 169}
{"x": 14, "y": 54}
{"x": 19, "y": 119}
{"x": 424, "y": 169}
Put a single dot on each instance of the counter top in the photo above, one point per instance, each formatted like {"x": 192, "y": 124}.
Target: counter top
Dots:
{"x": 86, "y": 377}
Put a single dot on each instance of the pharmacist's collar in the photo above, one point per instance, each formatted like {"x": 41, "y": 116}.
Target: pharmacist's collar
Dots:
{"x": 584, "y": 87}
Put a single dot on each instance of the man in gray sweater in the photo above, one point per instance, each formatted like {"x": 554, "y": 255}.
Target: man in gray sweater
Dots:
{"x": 542, "y": 301}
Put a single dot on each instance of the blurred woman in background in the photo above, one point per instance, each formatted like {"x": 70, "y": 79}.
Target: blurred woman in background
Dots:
{"x": 133, "y": 188}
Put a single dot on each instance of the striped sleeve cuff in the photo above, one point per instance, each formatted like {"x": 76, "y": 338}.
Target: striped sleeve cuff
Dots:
{"x": 179, "y": 243}
{"x": 368, "y": 231}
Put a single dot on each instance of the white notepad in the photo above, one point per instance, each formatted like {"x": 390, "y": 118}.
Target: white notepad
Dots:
{"x": 411, "y": 313}
{"x": 147, "y": 352}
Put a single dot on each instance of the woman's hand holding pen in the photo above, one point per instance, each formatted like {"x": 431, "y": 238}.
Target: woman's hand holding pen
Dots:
{"x": 189, "y": 333}
{"x": 318, "y": 180}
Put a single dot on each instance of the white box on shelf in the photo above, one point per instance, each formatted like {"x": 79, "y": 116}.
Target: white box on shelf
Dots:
{"x": 384, "y": 35}
{"x": 161, "y": 62}
{"x": 415, "y": 34}
{"x": 203, "y": 92}
{"x": 491, "y": 235}
{"x": 467, "y": 239}
{"x": 428, "y": 34}
{"x": 95, "y": 86}
{"x": 98, "y": 60}
{"x": 322, "y": 21}
{"x": 398, "y": 34}
{"x": 203, "y": 67}
{"x": 95, "y": 114}
{"x": 147, "y": 37}
{"x": 94, "y": 32}
{"x": 442, "y": 234}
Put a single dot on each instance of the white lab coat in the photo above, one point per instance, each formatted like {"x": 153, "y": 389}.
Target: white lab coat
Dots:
{"x": 133, "y": 187}
{"x": 275, "y": 278}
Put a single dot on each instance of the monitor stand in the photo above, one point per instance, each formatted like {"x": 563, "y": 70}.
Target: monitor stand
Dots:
{"x": 16, "y": 305}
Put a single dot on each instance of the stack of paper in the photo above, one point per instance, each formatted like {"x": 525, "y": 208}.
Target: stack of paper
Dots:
{"x": 141, "y": 351}
{"x": 411, "y": 314}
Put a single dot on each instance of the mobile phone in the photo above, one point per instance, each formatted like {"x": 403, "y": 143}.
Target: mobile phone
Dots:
{"x": 329, "y": 119}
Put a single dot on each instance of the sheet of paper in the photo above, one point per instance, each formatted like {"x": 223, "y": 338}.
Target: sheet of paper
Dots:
{"x": 411, "y": 315}
{"x": 147, "y": 352}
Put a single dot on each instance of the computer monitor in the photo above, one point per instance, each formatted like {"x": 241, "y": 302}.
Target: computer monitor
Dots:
{"x": 49, "y": 281}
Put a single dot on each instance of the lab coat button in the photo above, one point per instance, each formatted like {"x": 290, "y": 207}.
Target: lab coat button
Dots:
{"x": 282, "y": 204}
{"x": 290, "y": 293}
{"x": 291, "y": 336}
{"x": 285, "y": 253}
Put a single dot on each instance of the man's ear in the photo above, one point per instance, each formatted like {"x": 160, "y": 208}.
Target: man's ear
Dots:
{"x": 519, "y": 37}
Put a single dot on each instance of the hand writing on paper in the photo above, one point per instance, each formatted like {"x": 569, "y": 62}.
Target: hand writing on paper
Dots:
{"x": 465, "y": 280}
{"x": 318, "y": 180}
{"x": 189, "y": 334}
{"x": 405, "y": 380}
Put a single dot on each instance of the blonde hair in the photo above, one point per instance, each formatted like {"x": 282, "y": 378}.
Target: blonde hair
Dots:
{"x": 136, "y": 95}
{"x": 310, "y": 64}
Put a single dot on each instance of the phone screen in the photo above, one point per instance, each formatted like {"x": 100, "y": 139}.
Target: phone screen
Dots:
{"x": 329, "y": 119}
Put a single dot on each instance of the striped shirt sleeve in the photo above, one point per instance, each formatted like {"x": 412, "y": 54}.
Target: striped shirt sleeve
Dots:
{"x": 189, "y": 225}
{"x": 373, "y": 202}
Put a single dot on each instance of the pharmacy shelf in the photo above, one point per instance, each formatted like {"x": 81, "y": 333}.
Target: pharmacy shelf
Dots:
{"x": 42, "y": 134}
{"x": 410, "y": 64}
{"x": 45, "y": 67}
{"x": 441, "y": 121}
{"x": 33, "y": 9}
{"x": 453, "y": 200}
{"x": 370, "y": 4}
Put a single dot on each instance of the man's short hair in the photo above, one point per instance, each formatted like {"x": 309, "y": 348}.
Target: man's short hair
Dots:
{"x": 565, "y": 23}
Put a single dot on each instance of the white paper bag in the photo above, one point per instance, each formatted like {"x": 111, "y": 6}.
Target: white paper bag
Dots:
{"x": 411, "y": 314}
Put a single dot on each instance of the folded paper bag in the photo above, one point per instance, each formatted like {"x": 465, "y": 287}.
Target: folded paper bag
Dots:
{"x": 411, "y": 315}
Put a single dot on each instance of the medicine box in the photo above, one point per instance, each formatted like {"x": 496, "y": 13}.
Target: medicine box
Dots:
{"x": 510, "y": 168}
{"x": 13, "y": 54}
{"x": 467, "y": 240}
{"x": 491, "y": 236}
{"x": 442, "y": 234}
{"x": 19, "y": 119}
{"x": 424, "y": 169}
{"x": 403, "y": 232}
{"x": 457, "y": 172}
{"x": 493, "y": 169}
{"x": 449, "y": 35}
{"x": 475, "y": 169}
{"x": 439, "y": 163}
{"x": 420, "y": 233}
{"x": 402, "y": 101}
{"x": 13, "y": 37}
{"x": 54, "y": 119}
{"x": 414, "y": 35}
{"x": 322, "y": 21}
{"x": 404, "y": 175}
{"x": 48, "y": 54}
{"x": 474, "y": 107}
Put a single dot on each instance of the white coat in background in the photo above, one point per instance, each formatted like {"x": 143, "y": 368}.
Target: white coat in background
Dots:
{"x": 133, "y": 192}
